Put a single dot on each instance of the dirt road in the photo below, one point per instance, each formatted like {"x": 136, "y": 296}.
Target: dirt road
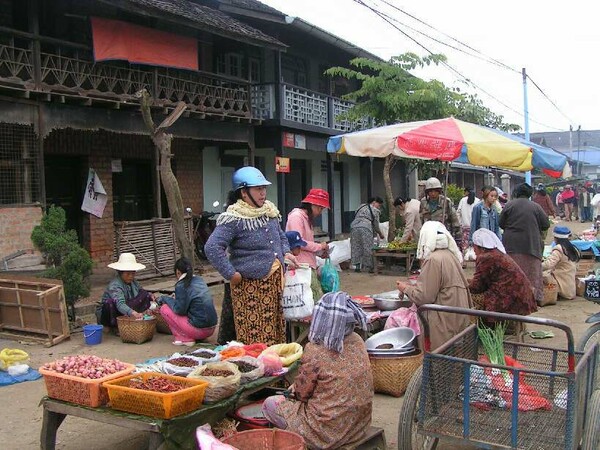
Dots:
{"x": 20, "y": 415}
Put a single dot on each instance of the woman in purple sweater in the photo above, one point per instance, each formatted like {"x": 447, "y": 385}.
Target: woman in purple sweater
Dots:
{"x": 248, "y": 248}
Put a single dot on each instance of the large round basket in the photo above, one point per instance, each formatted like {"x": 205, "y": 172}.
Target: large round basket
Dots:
{"x": 136, "y": 331}
{"x": 161, "y": 324}
{"x": 391, "y": 375}
{"x": 550, "y": 295}
{"x": 266, "y": 439}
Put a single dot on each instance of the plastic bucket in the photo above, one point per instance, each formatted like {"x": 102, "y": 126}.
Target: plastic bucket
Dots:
{"x": 266, "y": 439}
{"x": 92, "y": 334}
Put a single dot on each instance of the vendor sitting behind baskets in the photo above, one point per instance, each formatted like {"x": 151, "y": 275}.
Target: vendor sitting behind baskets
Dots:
{"x": 191, "y": 315}
{"x": 561, "y": 266}
{"x": 123, "y": 296}
{"x": 333, "y": 392}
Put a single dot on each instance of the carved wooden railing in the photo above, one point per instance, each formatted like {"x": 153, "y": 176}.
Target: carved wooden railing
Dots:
{"x": 304, "y": 107}
{"x": 202, "y": 92}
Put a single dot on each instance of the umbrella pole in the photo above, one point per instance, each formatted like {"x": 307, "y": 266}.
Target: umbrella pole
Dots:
{"x": 445, "y": 191}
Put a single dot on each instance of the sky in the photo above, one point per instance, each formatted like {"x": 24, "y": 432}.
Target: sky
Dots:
{"x": 557, "y": 43}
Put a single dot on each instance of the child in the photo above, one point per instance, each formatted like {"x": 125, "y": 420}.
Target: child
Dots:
{"x": 296, "y": 242}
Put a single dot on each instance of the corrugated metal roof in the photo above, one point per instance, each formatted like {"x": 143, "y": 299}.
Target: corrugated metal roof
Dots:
{"x": 205, "y": 17}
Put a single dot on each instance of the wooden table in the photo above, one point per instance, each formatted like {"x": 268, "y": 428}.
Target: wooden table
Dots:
{"x": 299, "y": 329}
{"x": 385, "y": 256}
{"x": 55, "y": 412}
{"x": 167, "y": 286}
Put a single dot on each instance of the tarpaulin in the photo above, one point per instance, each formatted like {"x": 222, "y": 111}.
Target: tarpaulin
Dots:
{"x": 114, "y": 39}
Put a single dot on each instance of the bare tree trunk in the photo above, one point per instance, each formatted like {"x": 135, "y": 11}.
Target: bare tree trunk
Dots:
{"x": 162, "y": 140}
{"x": 389, "y": 195}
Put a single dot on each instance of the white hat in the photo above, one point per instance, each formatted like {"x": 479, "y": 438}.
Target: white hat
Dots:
{"x": 127, "y": 263}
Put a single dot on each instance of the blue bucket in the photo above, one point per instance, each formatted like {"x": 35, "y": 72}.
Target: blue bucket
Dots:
{"x": 92, "y": 334}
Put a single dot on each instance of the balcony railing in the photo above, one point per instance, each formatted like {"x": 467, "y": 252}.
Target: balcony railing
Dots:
{"x": 304, "y": 107}
{"x": 202, "y": 92}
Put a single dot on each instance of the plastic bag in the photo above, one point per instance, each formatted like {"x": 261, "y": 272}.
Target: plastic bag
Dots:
{"x": 470, "y": 254}
{"x": 219, "y": 387}
{"x": 339, "y": 251}
{"x": 12, "y": 356}
{"x": 330, "y": 279}
{"x": 271, "y": 362}
{"x": 297, "y": 299}
{"x": 253, "y": 374}
{"x": 207, "y": 440}
{"x": 174, "y": 369}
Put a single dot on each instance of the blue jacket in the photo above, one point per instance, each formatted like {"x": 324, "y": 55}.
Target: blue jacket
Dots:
{"x": 494, "y": 221}
{"x": 193, "y": 301}
{"x": 251, "y": 250}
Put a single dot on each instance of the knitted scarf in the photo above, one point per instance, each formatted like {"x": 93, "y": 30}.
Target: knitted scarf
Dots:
{"x": 252, "y": 218}
{"x": 334, "y": 318}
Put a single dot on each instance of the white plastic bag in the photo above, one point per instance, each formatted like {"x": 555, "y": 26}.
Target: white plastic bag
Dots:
{"x": 595, "y": 200}
{"x": 470, "y": 254}
{"x": 297, "y": 297}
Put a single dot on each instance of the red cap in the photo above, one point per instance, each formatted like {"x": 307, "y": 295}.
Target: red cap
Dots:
{"x": 317, "y": 197}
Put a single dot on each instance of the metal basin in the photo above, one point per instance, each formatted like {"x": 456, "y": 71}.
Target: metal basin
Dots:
{"x": 399, "y": 337}
{"x": 389, "y": 304}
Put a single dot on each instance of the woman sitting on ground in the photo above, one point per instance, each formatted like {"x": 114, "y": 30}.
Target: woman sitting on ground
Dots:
{"x": 123, "y": 296}
{"x": 560, "y": 267}
{"x": 505, "y": 287}
{"x": 191, "y": 315}
{"x": 333, "y": 392}
{"x": 442, "y": 282}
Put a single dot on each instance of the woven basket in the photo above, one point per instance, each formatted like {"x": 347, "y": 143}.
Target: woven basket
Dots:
{"x": 550, "y": 295}
{"x": 136, "y": 331}
{"x": 391, "y": 375}
{"x": 161, "y": 324}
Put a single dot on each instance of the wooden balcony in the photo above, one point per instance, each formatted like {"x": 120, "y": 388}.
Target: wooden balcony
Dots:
{"x": 302, "y": 108}
{"x": 71, "y": 74}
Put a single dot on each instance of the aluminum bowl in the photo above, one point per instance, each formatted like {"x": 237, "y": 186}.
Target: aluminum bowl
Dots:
{"x": 390, "y": 304}
{"x": 399, "y": 337}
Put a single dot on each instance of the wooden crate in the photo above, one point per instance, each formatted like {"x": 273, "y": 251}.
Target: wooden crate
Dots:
{"x": 33, "y": 308}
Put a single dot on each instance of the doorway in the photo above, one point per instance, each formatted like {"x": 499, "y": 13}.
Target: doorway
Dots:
{"x": 65, "y": 185}
{"x": 132, "y": 191}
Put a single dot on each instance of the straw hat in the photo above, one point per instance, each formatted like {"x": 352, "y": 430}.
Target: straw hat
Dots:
{"x": 127, "y": 263}
{"x": 317, "y": 197}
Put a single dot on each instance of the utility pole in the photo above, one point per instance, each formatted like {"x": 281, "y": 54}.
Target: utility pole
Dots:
{"x": 578, "y": 150}
{"x": 526, "y": 117}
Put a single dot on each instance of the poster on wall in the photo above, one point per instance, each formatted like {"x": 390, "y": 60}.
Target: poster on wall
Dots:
{"x": 94, "y": 197}
{"x": 282, "y": 165}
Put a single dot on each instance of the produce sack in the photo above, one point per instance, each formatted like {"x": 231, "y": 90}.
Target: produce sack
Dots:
{"x": 288, "y": 353}
{"x": 219, "y": 386}
{"x": 12, "y": 356}
{"x": 181, "y": 365}
{"x": 244, "y": 364}
{"x": 206, "y": 356}
{"x": 330, "y": 279}
{"x": 297, "y": 299}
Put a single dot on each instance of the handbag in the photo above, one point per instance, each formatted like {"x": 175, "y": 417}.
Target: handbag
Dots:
{"x": 330, "y": 279}
{"x": 297, "y": 299}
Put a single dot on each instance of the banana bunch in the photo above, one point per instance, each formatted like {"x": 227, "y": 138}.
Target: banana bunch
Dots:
{"x": 12, "y": 356}
{"x": 404, "y": 246}
{"x": 288, "y": 353}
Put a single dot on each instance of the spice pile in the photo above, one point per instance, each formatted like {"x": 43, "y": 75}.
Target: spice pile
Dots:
{"x": 156, "y": 384}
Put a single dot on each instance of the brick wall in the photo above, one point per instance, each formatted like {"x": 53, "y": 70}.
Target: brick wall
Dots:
{"x": 101, "y": 147}
{"x": 16, "y": 225}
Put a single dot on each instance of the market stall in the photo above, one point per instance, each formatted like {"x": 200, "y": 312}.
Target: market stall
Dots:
{"x": 124, "y": 397}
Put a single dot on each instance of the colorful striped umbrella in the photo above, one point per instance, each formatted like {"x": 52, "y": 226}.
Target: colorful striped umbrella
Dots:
{"x": 450, "y": 140}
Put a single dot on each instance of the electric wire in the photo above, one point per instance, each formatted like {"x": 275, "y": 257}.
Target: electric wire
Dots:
{"x": 550, "y": 100}
{"x": 449, "y": 67}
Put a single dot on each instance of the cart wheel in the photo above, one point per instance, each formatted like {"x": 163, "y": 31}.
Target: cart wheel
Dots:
{"x": 590, "y": 337}
{"x": 591, "y": 429}
{"x": 408, "y": 438}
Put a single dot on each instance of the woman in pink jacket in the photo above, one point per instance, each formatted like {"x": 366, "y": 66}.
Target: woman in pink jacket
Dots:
{"x": 302, "y": 219}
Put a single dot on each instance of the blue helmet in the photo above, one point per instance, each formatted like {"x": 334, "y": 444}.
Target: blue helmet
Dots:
{"x": 248, "y": 177}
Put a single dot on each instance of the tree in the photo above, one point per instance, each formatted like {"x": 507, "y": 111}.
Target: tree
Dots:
{"x": 66, "y": 259}
{"x": 162, "y": 140}
{"x": 389, "y": 93}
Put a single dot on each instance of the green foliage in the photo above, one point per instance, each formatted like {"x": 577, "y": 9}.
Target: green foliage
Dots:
{"x": 68, "y": 260}
{"x": 455, "y": 193}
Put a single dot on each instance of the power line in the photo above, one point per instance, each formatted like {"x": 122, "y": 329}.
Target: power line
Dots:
{"x": 449, "y": 67}
{"x": 497, "y": 62}
{"x": 550, "y": 100}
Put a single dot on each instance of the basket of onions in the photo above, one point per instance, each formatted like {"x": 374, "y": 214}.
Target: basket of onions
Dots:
{"x": 78, "y": 379}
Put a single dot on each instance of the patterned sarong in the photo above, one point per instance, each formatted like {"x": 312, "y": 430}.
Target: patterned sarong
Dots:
{"x": 257, "y": 310}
